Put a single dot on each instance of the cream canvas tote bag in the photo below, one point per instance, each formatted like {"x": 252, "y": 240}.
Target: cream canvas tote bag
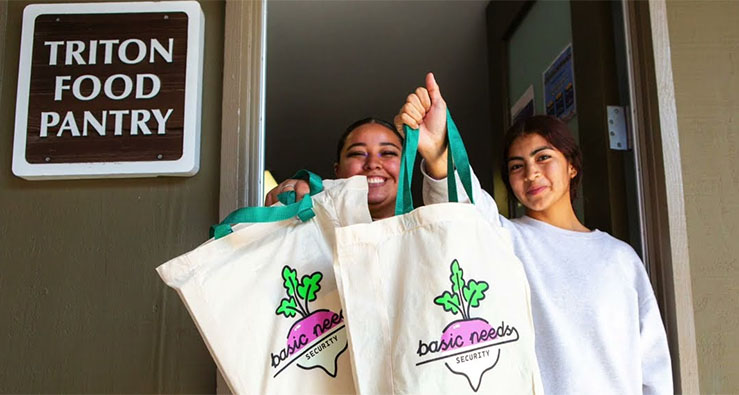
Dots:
{"x": 264, "y": 297}
{"x": 435, "y": 299}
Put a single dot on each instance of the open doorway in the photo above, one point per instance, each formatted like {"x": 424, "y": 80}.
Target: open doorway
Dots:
{"x": 330, "y": 63}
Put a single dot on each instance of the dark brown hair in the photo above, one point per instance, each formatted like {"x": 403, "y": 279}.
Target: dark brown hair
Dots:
{"x": 556, "y": 133}
{"x": 370, "y": 120}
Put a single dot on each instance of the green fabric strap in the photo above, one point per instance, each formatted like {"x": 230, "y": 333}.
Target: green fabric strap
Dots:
{"x": 457, "y": 157}
{"x": 302, "y": 209}
{"x": 314, "y": 182}
{"x": 403, "y": 199}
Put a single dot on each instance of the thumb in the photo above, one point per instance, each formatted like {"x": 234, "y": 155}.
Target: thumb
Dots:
{"x": 433, "y": 88}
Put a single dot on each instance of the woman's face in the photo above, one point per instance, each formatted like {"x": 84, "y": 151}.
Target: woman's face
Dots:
{"x": 539, "y": 174}
{"x": 373, "y": 151}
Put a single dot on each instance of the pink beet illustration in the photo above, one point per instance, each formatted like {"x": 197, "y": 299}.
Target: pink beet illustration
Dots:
{"x": 464, "y": 330}
{"x": 314, "y": 336}
{"x": 304, "y": 328}
{"x": 467, "y": 333}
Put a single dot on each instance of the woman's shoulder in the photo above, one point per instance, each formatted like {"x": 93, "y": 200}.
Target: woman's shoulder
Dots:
{"x": 618, "y": 248}
{"x": 526, "y": 224}
{"x": 623, "y": 257}
{"x": 592, "y": 243}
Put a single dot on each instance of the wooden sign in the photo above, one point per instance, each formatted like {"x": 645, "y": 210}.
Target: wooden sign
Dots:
{"x": 109, "y": 90}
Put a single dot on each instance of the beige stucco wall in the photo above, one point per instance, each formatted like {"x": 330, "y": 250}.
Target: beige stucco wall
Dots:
{"x": 704, "y": 39}
{"x": 81, "y": 308}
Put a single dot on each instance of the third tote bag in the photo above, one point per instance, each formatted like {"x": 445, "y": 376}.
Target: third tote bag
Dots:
{"x": 435, "y": 299}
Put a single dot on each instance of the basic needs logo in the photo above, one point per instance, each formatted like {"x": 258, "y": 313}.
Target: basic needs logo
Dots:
{"x": 468, "y": 346}
{"x": 315, "y": 340}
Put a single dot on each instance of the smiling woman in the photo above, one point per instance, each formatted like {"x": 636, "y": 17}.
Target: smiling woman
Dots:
{"x": 369, "y": 147}
{"x": 543, "y": 168}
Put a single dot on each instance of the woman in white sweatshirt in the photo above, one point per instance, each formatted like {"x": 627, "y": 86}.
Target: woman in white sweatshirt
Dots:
{"x": 598, "y": 328}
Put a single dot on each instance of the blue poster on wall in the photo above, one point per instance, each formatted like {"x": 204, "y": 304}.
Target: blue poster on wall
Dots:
{"x": 559, "y": 86}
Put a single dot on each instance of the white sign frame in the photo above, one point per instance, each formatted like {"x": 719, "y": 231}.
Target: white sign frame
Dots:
{"x": 187, "y": 165}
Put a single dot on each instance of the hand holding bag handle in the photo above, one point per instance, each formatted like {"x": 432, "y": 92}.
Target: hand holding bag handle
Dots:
{"x": 457, "y": 157}
{"x": 314, "y": 182}
{"x": 302, "y": 209}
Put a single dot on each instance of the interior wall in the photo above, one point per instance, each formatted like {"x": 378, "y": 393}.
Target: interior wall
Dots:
{"x": 704, "y": 41}
{"x": 330, "y": 63}
{"x": 83, "y": 310}
{"x": 534, "y": 45}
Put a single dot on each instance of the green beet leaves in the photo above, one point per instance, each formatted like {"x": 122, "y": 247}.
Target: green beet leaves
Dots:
{"x": 449, "y": 301}
{"x": 288, "y": 307}
{"x": 306, "y": 289}
{"x": 290, "y": 276}
{"x": 464, "y": 294}
{"x": 474, "y": 292}
{"x": 309, "y": 286}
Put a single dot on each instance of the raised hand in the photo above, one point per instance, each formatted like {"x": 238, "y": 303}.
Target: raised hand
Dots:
{"x": 425, "y": 110}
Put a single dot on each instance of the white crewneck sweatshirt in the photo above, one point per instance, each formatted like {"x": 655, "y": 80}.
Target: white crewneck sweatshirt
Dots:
{"x": 597, "y": 325}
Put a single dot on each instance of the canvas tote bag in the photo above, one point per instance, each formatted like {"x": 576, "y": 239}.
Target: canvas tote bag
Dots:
{"x": 264, "y": 296}
{"x": 434, "y": 298}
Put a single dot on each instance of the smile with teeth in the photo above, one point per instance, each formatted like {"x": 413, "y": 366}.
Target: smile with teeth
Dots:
{"x": 374, "y": 181}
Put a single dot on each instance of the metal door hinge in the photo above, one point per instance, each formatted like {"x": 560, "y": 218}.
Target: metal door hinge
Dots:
{"x": 618, "y": 135}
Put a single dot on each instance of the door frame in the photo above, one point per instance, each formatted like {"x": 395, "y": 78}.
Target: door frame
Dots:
{"x": 656, "y": 142}
{"x": 242, "y": 112}
{"x": 244, "y": 79}
{"x": 656, "y": 145}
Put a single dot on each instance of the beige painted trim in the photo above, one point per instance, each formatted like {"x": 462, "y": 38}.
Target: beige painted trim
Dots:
{"x": 242, "y": 137}
{"x": 683, "y": 296}
{"x": 242, "y": 133}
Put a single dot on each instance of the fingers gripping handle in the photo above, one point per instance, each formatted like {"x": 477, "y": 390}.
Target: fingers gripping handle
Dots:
{"x": 302, "y": 209}
{"x": 457, "y": 158}
{"x": 314, "y": 182}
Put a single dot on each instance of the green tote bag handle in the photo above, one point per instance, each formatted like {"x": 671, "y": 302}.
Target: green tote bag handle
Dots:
{"x": 457, "y": 157}
{"x": 302, "y": 209}
{"x": 314, "y": 182}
